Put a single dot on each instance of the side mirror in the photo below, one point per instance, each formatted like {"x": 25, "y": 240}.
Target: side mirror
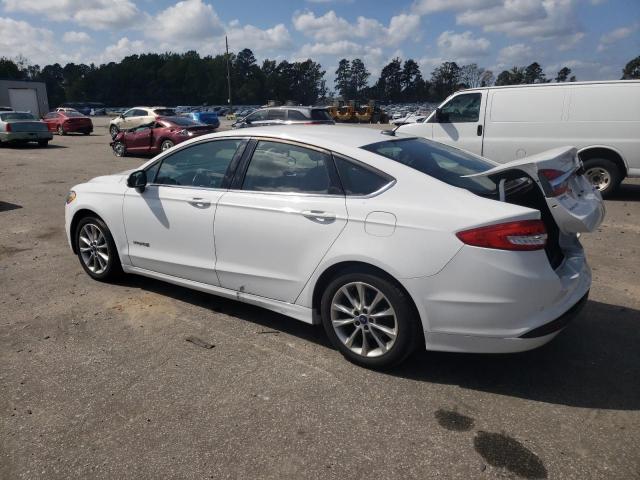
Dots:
{"x": 121, "y": 115}
{"x": 137, "y": 180}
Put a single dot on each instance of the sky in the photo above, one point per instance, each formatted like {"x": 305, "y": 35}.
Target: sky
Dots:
{"x": 595, "y": 38}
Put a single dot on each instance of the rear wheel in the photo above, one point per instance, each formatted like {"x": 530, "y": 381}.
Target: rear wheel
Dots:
{"x": 603, "y": 174}
{"x": 61, "y": 130}
{"x": 113, "y": 131}
{"x": 369, "y": 319}
{"x": 119, "y": 149}
{"x": 166, "y": 145}
{"x": 96, "y": 249}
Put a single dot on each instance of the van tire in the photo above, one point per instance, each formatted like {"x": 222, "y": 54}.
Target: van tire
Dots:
{"x": 603, "y": 174}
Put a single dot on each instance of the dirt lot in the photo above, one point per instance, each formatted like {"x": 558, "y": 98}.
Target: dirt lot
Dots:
{"x": 97, "y": 380}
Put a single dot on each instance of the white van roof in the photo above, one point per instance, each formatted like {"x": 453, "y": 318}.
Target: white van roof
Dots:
{"x": 553, "y": 84}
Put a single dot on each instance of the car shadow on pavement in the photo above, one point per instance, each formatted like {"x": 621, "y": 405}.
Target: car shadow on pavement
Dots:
{"x": 33, "y": 146}
{"x": 626, "y": 192}
{"x": 593, "y": 363}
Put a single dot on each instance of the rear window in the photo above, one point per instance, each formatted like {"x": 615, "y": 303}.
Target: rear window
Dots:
{"x": 164, "y": 112}
{"x": 17, "y": 116}
{"x": 73, "y": 114}
{"x": 320, "y": 114}
{"x": 357, "y": 179}
{"x": 445, "y": 163}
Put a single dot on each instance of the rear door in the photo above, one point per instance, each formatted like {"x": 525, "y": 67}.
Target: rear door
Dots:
{"x": 461, "y": 122}
{"x": 574, "y": 203}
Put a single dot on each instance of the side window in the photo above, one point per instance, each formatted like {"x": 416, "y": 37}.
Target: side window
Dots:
{"x": 258, "y": 116}
{"x": 129, "y": 113}
{"x": 462, "y": 109}
{"x": 296, "y": 115}
{"x": 200, "y": 165}
{"x": 276, "y": 114}
{"x": 282, "y": 167}
{"x": 140, "y": 113}
{"x": 359, "y": 180}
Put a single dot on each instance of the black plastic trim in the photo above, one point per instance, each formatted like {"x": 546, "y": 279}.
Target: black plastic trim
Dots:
{"x": 560, "y": 322}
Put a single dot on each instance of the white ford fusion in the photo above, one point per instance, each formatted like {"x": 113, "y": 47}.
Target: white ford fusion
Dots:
{"x": 391, "y": 242}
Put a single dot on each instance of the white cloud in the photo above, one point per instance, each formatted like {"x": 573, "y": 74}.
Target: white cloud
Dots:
{"x": 332, "y": 28}
{"x": 423, "y": 7}
{"x": 518, "y": 54}
{"x": 94, "y": 14}
{"x": 186, "y": 22}
{"x": 259, "y": 40}
{"x": 20, "y": 38}
{"x": 121, "y": 49}
{"x": 615, "y": 36}
{"x": 509, "y": 11}
{"x": 461, "y": 47}
{"x": 76, "y": 37}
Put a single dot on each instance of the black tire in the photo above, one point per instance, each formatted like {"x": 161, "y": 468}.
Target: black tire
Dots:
{"x": 406, "y": 318}
{"x": 604, "y": 175}
{"x": 86, "y": 133}
{"x": 113, "y": 269}
{"x": 43, "y": 143}
{"x": 119, "y": 149}
{"x": 166, "y": 145}
{"x": 61, "y": 131}
{"x": 113, "y": 131}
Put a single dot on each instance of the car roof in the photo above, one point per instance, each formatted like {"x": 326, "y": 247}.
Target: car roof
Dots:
{"x": 291, "y": 107}
{"x": 327, "y": 136}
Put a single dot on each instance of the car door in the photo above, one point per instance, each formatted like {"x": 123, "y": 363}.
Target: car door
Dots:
{"x": 279, "y": 219}
{"x": 460, "y": 122}
{"x": 51, "y": 119}
{"x": 127, "y": 119}
{"x": 139, "y": 117}
{"x": 139, "y": 141}
{"x": 169, "y": 225}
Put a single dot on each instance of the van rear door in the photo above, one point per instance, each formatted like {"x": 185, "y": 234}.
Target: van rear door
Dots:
{"x": 575, "y": 205}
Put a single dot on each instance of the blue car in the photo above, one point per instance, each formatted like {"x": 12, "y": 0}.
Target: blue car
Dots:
{"x": 208, "y": 118}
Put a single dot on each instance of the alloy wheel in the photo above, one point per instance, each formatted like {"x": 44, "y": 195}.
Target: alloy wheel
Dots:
{"x": 166, "y": 145}
{"x": 364, "y": 319}
{"x": 119, "y": 149}
{"x": 599, "y": 177}
{"x": 94, "y": 249}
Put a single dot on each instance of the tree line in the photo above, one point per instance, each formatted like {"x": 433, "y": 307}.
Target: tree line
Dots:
{"x": 190, "y": 79}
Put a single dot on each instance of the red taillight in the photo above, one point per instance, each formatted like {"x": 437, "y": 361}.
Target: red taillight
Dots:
{"x": 558, "y": 187}
{"x": 522, "y": 235}
{"x": 7, "y": 127}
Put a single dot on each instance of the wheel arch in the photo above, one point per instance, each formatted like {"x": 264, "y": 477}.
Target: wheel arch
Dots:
{"x": 336, "y": 269}
{"x": 607, "y": 152}
{"x": 77, "y": 216}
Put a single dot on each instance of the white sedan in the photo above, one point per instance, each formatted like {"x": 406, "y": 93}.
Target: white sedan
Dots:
{"x": 391, "y": 242}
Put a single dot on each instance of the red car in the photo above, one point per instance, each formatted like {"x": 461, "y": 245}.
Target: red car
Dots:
{"x": 157, "y": 136}
{"x": 67, "y": 122}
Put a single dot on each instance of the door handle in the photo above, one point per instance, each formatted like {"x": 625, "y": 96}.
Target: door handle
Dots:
{"x": 199, "y": 202}
{"x": 479, "y": 131}
{"x": 319, "y": 216}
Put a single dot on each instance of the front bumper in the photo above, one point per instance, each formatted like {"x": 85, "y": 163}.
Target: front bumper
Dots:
{"x": 25, "y": 136}
{"x": 492, "y": 301}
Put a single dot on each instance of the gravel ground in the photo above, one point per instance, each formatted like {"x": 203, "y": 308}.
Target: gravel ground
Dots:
{"x": 97, "y": 380}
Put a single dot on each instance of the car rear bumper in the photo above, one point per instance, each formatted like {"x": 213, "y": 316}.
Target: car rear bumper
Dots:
{"x": 492, "y": 301}
{"x": 78, "y": 128}
{"x": 25, "y": 136}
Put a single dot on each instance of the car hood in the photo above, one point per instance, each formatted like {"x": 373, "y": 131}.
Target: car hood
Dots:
{"x": 115, "y": 178}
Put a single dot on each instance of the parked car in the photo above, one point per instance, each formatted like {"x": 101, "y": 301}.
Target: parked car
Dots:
{"x": 136, "y": 116}
{"x": 602, "y": 119}
{"x": 285, "y": 116}
{"x": 157, "y": 136}
{"x": 382, "y": 239}
{"x": 86, "y": 108}
{"x": 23, "y": 127}
{"x": 68, "y": 121}
{"x": 208, "y": 118}
{"x": 66, "y": 109}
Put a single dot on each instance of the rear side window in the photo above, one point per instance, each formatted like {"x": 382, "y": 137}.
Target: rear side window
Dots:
{"x": 282, "y": 167}
{"x": 320, "y": 114}
{"x": 164, "y": 112}
{"x": 445, "y": 163}
{"x": 462, "y": 109}
{"x": 199, "y": 165}
{"x": 296, "y": 115}
{"x": 357, "y": 179}
{"x": 139, "y": 113}
{"x": 276, "y": 114}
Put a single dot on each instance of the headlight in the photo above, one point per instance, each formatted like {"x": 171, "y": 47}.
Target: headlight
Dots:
{"x": 71, "y": 196}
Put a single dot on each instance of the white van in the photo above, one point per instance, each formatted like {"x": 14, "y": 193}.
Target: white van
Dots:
{"x": 601, "y": 119}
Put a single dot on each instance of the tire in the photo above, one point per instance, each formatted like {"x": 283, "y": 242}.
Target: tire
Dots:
{"x": 113, "y": 131}
{"x": 119, "y": 149}
{"x": 166, "y": 145}
{"x": 43, "y": 143}
{"x": 93, "y": 241}
{"x": 86, "y": 133}
{"x": 385, "y": 351}
{"x": 604, "y": 174}
{"x": 61, "y": 131}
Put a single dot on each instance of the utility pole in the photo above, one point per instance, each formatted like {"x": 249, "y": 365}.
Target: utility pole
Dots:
{"x": 228, "y": 74}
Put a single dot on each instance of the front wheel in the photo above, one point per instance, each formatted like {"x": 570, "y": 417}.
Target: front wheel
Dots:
{"x": 603, "y": 174}
{"x": 113, "y": 131}
{"x": 166, "y": 145}
{"x": 61, "y": 131}
{"x": 96, "y": 249}
{"x": 369, "y": 319}
{"x": 119, "y": 149}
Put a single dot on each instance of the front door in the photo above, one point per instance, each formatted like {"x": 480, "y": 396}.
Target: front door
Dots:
{"x": 274, "y": 227}
{"x": 169, "y": 225}
{"x": 139, "y": 141}
{"x": 461, "y": 122}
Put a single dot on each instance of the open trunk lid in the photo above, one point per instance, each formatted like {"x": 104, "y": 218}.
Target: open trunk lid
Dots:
{"x": 573, "y": 202}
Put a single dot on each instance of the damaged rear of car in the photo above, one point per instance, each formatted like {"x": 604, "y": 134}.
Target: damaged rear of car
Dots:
{"x": 516, "y": 282}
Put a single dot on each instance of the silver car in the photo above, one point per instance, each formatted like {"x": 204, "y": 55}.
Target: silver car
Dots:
{"x": 23, "y": 127}
{"x": 285, "y": 116}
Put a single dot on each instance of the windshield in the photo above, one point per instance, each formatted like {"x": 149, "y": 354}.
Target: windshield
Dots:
{"x": 445, "y": 163}
{"x": 17, "y": 116}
